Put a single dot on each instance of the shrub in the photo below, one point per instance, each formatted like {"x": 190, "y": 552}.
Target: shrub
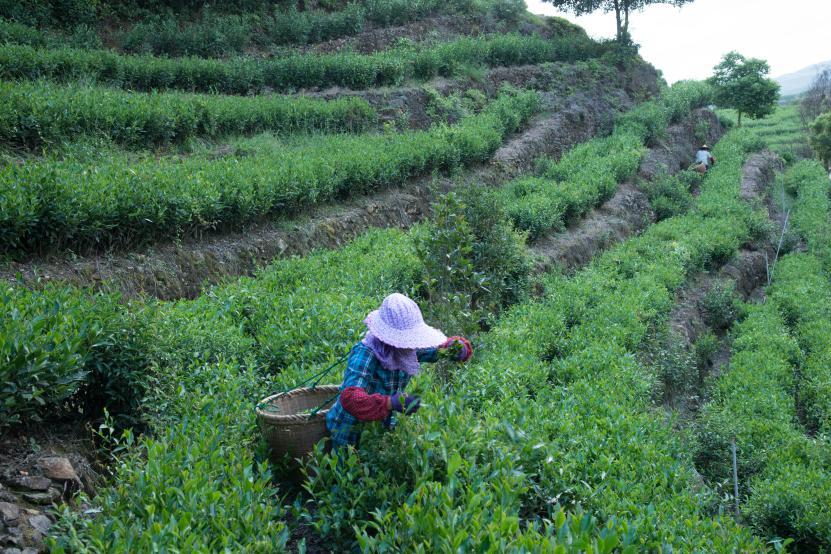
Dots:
{"x": 514, "y": 424}
{"x": 721, "y": 306}
{"x": 671, "y": 195}
{"x": 480, "y": 455}
{"x": 63, "y": 351}
{"x": 821, "y": 139}
{"x": 39, "y": 114}
{"x": 474, "y": 264}
{"x": 43, "y": 351}
{"x": 63, "y": 202}
{"x": 206, "y": 456}
{"x": 287, "y": 73}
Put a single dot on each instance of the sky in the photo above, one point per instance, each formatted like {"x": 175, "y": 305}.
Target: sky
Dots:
{"x": 685, "y": 43}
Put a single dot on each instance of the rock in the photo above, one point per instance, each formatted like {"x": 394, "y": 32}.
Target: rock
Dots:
{"x": 41, "y": 523}
{"x": 30, "y": 483}
{"x": 30, "y": 551}
{"x": 9, "y": 512}
{"x": 42, "y": 498}
{"x": 12, "y": 551}
{"x": 58, "y": 469}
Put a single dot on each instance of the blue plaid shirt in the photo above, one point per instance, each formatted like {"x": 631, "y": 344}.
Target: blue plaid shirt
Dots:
{"x": 365, "y": 371}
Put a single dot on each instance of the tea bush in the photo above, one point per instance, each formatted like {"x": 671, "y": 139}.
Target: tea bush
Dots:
{"x": 721, "y": 306}
{"x": 808, "y": 181}
{"x": 754, "y": 403}
{"x": 38, "y": 114}
{"x": 65, "y": 351}
{"x": 215, "y": 35}
{"x": 496, "y": 470}
{"x": 803, "y": 292}
{"x": 778, "y": 379}
{"x": 296, "y": 71}
{"x": 544, "y": 419}
{"x": 194, "y": 484}
{"x": 474, "y": 263}
{"x": 504, "y": 457}
{"x": 62, "y": 13}
{"x": 589, "y": 174}
{"x": 671, "y": 195}
{"x": 64, "y": 202}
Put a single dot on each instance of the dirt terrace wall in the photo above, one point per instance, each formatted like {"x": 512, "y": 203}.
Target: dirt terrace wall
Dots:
{"x": 557, "y": 82}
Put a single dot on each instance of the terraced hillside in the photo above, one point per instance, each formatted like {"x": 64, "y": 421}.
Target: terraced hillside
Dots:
{"x": 200, "y": 204}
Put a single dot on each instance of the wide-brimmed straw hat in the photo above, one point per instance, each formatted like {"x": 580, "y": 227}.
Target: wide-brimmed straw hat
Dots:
{"x": 399, "y": 323}
{"x": 705, "y": 147}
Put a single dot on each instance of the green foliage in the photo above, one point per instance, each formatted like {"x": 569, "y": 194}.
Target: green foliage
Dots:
{"x": 192, "y": 486}
{"x": 622, "y": 9}
{"x": 216, "y": 36}
{"x": 43, "y": 353}
{"x": 779, "y": 379}
{"x": 589, "y": 173}
{"x": 64, "y": 202}
{"x": 782, "y": 132}
{"x": 809, "y": 183}
{"x": 509, "y": 439}
{"x": 802, "y": 292}
{"x": 514, "y": 425}
{"x": 740, "y": 83}
{"x": 721, "y": 306}
{"x": 671, "y": 195}
{"x": 62, "y": 13}
{"x": 752, "y": 401}
{"x": 40, "y": 114}
{"x": 820, "y": 138}
{"x": 567, "y": 189}
{"x": 474, "y": 263}
{"x": 292, "y": 72}
{"x": 64, "y": 351}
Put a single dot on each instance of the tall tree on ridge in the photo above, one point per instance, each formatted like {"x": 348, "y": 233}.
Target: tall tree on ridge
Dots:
{"x": 622, "y": 9}
{"x": 742, "y": 84}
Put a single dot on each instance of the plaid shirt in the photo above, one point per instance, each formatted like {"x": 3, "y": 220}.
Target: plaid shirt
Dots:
{"x": 363, "y": 370}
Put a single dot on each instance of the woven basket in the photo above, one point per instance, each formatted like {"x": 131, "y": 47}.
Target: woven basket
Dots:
{"x": 285, "y": 426}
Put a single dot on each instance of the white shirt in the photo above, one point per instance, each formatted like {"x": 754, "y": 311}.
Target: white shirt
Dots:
{"x": 703, "y": 157}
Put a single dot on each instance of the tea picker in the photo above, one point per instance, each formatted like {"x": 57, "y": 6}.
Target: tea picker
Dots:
{"x": 703, "y": 159}
{"x": 378, "y": 370}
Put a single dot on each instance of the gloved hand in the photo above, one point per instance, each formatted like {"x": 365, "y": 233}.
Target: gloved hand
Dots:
{"x": 405, "y": 403}
{"x": 466, "y": 350}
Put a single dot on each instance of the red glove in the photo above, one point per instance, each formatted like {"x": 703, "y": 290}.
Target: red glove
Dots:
{"x": 466, "y": 351}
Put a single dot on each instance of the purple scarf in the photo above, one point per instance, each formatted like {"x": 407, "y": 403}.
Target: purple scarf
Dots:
{"x": 391, "y": 358}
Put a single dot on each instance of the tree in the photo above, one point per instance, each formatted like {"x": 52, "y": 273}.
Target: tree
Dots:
{"x": 817, "y": 100}
{"x": 821, "y": 139}
{"x": 622, "y": 9}
{"x": 741, "y": 83}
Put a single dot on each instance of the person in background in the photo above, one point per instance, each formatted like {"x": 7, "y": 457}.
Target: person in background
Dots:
{"x": 703, "y": 159}
{"x": 378, "y": 368}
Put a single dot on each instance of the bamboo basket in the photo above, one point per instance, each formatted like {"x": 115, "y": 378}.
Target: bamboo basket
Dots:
{"x": 286, "y": 426}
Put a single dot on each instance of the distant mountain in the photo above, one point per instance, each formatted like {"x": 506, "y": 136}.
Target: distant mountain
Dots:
{"x": 800, "y": 81}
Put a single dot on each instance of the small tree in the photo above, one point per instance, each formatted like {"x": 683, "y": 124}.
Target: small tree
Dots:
{"x": 821, "y": 139}
{"x": 817, "y": 100}
{"x": 741, "y": 84}
{"x": 622, "y": 9}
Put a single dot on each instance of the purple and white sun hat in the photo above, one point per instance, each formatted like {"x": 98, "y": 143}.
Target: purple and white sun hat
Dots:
{"x": 399, "y": 323}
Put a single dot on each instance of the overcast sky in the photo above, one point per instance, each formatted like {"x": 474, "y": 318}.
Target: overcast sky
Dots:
{"x": 685, "y": 43}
